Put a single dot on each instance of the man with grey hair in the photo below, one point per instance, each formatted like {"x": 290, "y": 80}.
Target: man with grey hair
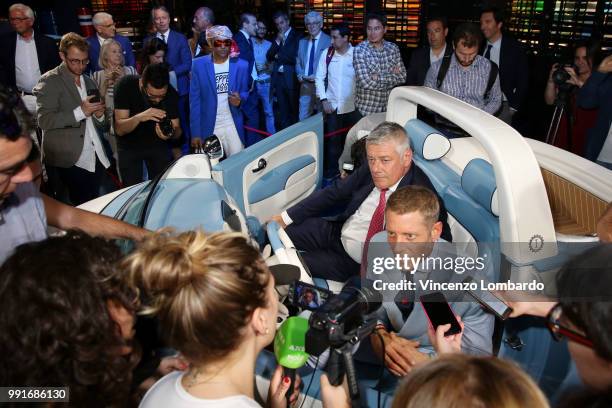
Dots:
{"x": 203, "y": 19}
{"x": 334, "y": 248}
{"x": 25, "y": 54}
{"x": 309, "y": 53}
{"x": 105, "y": 29}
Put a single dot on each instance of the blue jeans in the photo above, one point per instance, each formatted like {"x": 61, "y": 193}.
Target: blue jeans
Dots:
{"x": 263, "y": 94}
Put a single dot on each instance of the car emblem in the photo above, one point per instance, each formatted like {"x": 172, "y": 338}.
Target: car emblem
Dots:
{"x": 536, "y": 243}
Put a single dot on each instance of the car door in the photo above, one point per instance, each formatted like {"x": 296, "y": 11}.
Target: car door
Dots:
{"x": 277, "y": 172}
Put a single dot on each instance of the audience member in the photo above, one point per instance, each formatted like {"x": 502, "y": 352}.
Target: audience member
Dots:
{"x": 79, "y": 316}
{"x": 203, "y": 19}
{"x": 283, "y": 55}
{"x": 196, "y": 284}
{"x": 334, "y": 249}
{"x": 461, "y": 381}
{"x": 23, "y": 61}
{"x": 466, "y": 75}
{"x": 356, "y": 135}
{"x": 597, "y": 93}
{"x": 194, "y": 39}
{"x": 576, "y": 121}
{"x": 24, "y": 212}
{"x": 73, "y": 122}
{"x": 105, "y": 30}
{"x": 378, "y": 67}
{"x": 335, "y": 86}
{"x": 511, "y": 59}
{"x": 412, "y": 229}
{"x": 261, "y": 46}
{"x": 219, "y": 85}
{"x": 178, "y": 57}
{"x": 144, "y": 107}
{"x": 422, "y": 58}
{"x": 244, "y": 39}
{"x": 310, "y": 49}
{"x": 154, "y": 52}
{"x": 113, "y": 66}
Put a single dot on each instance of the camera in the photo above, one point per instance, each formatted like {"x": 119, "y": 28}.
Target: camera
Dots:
{"x": 561, "y": 76}
{"x": 165, "y": 125}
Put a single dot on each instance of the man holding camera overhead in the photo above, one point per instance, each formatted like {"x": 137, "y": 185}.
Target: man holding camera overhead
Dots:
{"x": 71, "y": 115}
{"x": 146, "y": 115}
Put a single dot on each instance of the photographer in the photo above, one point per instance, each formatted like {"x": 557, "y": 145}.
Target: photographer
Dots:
{"x": 146, "y": 115}
{"x": 561, "y": 88}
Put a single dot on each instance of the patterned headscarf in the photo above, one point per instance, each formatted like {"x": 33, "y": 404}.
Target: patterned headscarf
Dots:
{"x": 218, "y": 31}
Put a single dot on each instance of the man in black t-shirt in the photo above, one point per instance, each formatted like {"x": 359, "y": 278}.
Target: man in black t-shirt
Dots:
{"x": 143, "y": 108}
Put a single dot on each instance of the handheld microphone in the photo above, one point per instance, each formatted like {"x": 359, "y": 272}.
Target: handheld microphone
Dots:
{"x": 290, "y": 348}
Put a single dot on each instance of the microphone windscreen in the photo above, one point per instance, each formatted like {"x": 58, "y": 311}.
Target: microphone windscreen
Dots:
{"x": 285, "y": 274}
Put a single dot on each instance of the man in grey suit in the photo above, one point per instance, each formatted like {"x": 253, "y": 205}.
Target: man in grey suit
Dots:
{"x": 309, "y": 53}
{"x": 413, "y": 229}
{"x": 71, "y": 117}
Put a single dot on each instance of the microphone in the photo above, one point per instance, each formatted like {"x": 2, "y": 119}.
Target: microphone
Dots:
{"x": 290, "y": 349}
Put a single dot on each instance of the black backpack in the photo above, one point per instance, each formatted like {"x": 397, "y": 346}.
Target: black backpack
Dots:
{"x": 446, "y": 60}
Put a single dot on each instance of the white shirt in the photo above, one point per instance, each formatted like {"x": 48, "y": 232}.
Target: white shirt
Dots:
{"x": 168, "y": 392}
{"x": 606, "y": 151}
{"x": 310, "y": 45}
{"x": 100, "y": 39}
{"x": 340, "y": 90}
{"x": 224, "y": 115}
{"x": 92, "y": 145}
{"x": 433, "y": 57}
{"x": 27, "y": 70}
{"x": 166, "y": 34}
{"x": 355, "y": 229}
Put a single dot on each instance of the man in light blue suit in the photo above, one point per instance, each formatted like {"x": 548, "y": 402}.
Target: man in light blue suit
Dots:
{"x": 179, "y": 59}
{"x": 105, "y": 29}
{"x": 413, "y": 229}
{"x": 309, "y": 53}
{"x": 219, "y": 86}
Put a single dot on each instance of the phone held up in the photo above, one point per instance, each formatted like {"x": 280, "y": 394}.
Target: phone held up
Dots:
{"x": 439, "y": 312}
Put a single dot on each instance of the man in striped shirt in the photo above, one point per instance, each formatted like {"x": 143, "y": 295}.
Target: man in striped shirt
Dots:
{"x": 468, "y": 72}
{"x": 378, "y": 67}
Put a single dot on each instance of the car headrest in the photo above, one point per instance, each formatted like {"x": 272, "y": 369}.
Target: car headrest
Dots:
{"x": 427, "y": 142}
{"x": 478, "y": 181}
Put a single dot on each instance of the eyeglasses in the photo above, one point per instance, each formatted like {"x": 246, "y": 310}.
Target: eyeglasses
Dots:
{"x": 154, "y": 98}
{"x": 6, "y": 175}
{"x": 559, "y": 331}
{"x": 315, "y": 23}
{"x": 19, "y": 18}
{"x": 220, "y": 43}
{"x": 76, "y": 61}
{"x": 107, "y": 25}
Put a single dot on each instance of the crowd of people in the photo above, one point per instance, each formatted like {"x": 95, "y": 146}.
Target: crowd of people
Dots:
{"x": 182, "y": 319}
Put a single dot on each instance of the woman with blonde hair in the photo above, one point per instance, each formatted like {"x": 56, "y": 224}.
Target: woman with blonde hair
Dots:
{"x": 215, "y": 300}
{"x": 112, "y": 62}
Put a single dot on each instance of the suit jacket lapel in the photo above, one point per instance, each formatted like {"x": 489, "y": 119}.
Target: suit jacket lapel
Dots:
{"x": 69, "y": 82}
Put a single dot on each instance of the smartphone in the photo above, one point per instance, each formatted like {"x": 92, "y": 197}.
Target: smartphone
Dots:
{"x": 489, "y": 301}
{"x": 95, "y": 93}
{"x": 439, "y": 312}
{"x": 307, "y": 296}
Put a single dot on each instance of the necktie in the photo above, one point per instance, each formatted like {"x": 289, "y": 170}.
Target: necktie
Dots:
{"x": 251, "y": 42}
{"x": 377, "y": 224}
{"x": 311, "y": 58}
{"x": 163, "y": 36}
{"x": 487, "y": 53}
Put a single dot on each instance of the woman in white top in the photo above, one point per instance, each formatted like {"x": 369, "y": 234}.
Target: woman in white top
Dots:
{"x": 113, "y": 66}
{"x": 215, "y": 300}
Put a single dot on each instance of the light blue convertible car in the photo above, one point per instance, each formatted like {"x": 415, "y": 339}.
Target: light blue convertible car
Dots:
{"x": 529, "y": 199}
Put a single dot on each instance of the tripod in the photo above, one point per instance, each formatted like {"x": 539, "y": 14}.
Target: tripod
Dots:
{"x": 561, "y": 102}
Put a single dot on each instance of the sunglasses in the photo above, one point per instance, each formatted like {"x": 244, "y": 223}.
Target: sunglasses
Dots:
{"x": 559, "y": 331}
{"x": 220, "y": 43}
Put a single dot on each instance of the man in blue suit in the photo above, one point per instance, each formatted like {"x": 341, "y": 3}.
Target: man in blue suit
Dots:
{"x": 219, "y": 86}
{"x": 244, "y": 38}
{"x": 309, "y": 53}
{"x": 179, "y": 59}
{"x": 334, "y": 249}
{"x": 283, "y": 55}
{"x": 105, "y": 29}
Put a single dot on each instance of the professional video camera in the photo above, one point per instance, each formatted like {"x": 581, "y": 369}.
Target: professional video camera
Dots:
{"x": 561, "y": 76}
{"x": 344, "y": 320}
